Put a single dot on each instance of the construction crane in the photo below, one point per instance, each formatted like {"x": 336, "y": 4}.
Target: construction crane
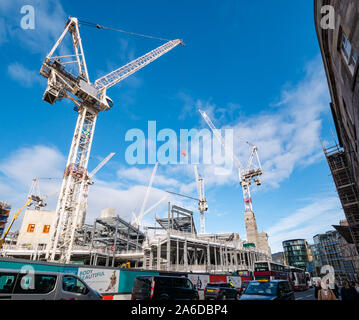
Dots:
{"x": 251, "y": 172}
{"x": 89, "y": 182}
{"x": 201, "y": 200}
{"x": 137, "y": 220}
{"x": 31, "y": 200}
{"x": 35, "y": 190}
{"x": 202, "y": 203}
{"x": 90, "y": 99}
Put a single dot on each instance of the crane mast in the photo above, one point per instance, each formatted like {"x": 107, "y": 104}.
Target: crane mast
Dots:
{"x": 90, "y": 99}
{"x": 202, "y": 202}
{"x": 246, "y": 175}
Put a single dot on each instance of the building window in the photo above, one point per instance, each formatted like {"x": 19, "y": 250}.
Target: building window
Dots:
{"x": 46, "y": 228}
{"x": 348, "y": 53}
{"x": 30, "y": 228}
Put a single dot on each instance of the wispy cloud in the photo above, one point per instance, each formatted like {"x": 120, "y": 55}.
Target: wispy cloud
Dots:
{"x": 24, "y": 76}
{"x": 286, "y": 137}
{"x": 20, "y": 167}
{"x": 49, "y": 23}
{"x": 305, "y": 222}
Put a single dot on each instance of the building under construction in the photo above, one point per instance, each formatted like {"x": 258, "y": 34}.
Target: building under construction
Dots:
{"x": 171, "y": 244}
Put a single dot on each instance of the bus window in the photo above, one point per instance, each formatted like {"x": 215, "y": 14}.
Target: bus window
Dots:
{"x": 261, "y": 266}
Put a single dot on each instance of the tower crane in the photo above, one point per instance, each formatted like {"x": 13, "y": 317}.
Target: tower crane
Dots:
{"x": 90, "y": 99}
{"x": 202, "y": 202}
{"x": 251, "y": 172}
{"x": 35, "y": 190}
{"x": 137, "y": 221}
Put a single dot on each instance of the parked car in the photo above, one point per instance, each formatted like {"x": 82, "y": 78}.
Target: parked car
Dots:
{"x": 220, "y": 291}
{"x": 268, "y": 290}
{"x": 163, "y": 288}
{"x": 244, "y": 286}
{"x": 21, "y": 285}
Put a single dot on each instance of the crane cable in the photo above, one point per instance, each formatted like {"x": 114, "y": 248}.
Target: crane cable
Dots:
{"x": 94, "y": 25}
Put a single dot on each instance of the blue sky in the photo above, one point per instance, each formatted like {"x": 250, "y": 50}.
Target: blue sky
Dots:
{"x": 254, "y": 66}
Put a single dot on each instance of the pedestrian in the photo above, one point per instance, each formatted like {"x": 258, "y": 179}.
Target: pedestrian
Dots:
{"x": 348, "y": 293}
{"x": 326, "y": 293}
{"x": 357, "y": 287}
{"x": 334, "y": 287}
{"x": 317, "y": 288}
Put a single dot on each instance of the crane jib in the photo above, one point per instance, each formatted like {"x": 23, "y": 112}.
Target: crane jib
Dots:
{"x": 120, "y": 74}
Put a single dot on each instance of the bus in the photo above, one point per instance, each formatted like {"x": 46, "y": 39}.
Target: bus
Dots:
{"x": 245, "y": 275}
{"x": 298, "y": 279}
{"x": 264, "y": 270}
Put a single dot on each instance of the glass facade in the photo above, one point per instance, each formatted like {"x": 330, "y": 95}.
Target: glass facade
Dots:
{"x": 326, "y": 250}
{"x": 296, "y": 253}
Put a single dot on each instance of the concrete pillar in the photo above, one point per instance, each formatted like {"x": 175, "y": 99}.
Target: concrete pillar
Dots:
{"x": 185, "y": 261}
{"x": 168, "y": 251}
{"x": 158, "y": 256}
{"x": 231, "y": 256}
{"x": 195, "y": 256}
{"x": 151, "y": 258}
{"x": 208, "y": 258}
{"x": 177, "y": 255}
{"x": 215, "y": 258}
{"x": 236, "y": 259}
{"x": 226, "y": 258}
{"x": 221, "y": 256}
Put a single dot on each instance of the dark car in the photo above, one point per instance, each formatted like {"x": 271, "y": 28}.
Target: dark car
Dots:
{"x": 268, "y": 290}
{"x": 163, "y": 288}
{"x": 220, "y": 291}
{"x": 244, "y": 286}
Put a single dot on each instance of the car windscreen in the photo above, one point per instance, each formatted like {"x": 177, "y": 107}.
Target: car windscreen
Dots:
{"x": 262, "y": 288}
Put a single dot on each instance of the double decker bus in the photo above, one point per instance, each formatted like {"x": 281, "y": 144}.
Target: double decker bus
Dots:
{"x": 298, "y": 279}
{"x": 264, "y": 270}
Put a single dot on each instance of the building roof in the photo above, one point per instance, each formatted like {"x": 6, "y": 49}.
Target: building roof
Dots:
{"x": 344, "y": 231}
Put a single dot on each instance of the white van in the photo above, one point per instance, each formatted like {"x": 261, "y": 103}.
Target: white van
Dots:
{"x": 42, "y": 285}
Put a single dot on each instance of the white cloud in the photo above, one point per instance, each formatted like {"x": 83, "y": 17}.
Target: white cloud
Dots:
{"x": 50, "y": 18}
{"x": 18, "y": 170}
{"x": 142, "y": 176}
{"x": 286, "y": 137}
{"x": 23, "y": 75}
{"x": 38, "y": 161}
{"x": 304, "y": 223}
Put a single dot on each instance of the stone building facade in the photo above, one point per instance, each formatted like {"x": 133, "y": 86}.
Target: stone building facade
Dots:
{"x": 337, "y": 27}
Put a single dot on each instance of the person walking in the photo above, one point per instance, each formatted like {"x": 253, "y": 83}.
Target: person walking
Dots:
{"x": 348, "y": 293}
{"x": 326, "y": 293}
{"x": 357, "y": 287}
{"x": 317, "y": 288}
{"x": 334, "y": 287}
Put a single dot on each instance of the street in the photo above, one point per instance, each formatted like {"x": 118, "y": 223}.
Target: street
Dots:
{"x": 305, "y": 295}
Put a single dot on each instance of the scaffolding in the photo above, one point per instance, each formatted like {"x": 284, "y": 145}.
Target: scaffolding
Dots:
{"x": 346, "y": 187}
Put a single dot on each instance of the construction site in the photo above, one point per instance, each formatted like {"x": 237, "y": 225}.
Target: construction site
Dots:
{"x": 172, "y": 243}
